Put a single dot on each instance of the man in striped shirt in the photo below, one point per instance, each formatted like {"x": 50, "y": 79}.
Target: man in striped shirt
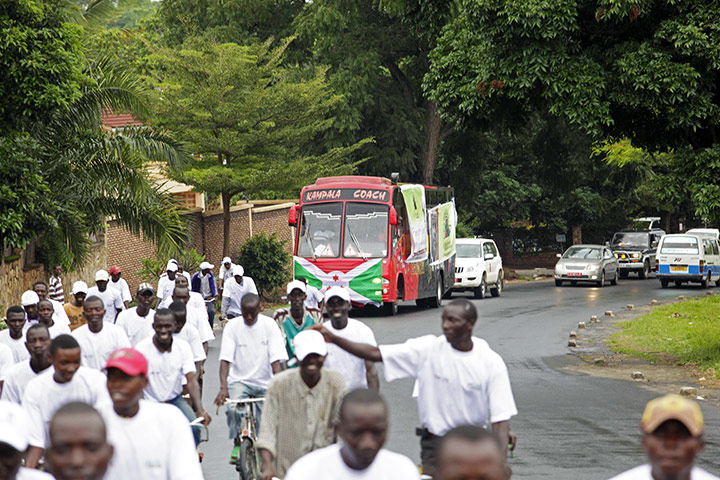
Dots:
{"x": 55, "y": 286}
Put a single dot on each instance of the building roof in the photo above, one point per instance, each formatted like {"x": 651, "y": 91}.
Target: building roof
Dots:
{"x": 118, "y": 120}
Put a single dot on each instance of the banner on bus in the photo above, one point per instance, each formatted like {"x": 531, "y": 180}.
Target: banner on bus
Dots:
{"x": 363, "y": 282}
{"x": 442, "y": 231}
{"x": 414, "y": 197}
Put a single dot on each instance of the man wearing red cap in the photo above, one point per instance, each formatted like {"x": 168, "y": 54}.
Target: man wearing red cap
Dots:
{"x": 152, "y": 440}
{"x": 672, "y": 437}
{"x": 120, "y": 285}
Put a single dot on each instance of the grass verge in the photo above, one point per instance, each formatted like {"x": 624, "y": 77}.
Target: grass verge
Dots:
{"x": 684, "y": 333}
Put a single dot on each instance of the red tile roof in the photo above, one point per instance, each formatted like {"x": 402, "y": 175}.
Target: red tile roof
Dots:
{"x": 114, "y": 120}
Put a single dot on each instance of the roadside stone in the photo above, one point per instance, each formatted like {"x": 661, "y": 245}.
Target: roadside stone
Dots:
{"x": 573, "y": 334}
{"x": 681, "y": 297}
{"x": 572, "y": 343}
{"x": 599, "y": 362}
{"x": 709, "y": 294}
{"x": 630, "y": 306}
{"x": 689, "y": 392}
{"x": 654, "y": 302}
{"x": 581, "y": 325}
{"x": 638, "y": 376}
{"x": 594, "y": 319}
{"x": 609, "y": 313}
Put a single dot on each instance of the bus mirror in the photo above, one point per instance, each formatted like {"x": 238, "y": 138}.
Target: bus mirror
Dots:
{"x": 393, "y": 216}
{"x": 292, "y": 216}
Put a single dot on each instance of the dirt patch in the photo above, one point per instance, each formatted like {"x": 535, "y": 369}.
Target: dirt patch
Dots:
{"x": 661, "y": 374}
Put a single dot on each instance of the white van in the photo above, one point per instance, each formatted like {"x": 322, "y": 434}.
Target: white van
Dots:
{"x": 710, "y": 232}
{"x": 478, "y": 267}
{"x": 686, "y": 257}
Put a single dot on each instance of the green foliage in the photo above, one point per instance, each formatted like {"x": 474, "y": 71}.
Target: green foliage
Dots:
{"x": 153, "y": 268}
{"x": 266, "y": 260}
{"x": 132, "y": 13}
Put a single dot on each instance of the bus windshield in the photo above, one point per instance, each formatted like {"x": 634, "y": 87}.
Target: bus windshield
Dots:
{"x": 679, "y": 245}
{"x": 320, "y": 230}
{"x": 366, "y": 230}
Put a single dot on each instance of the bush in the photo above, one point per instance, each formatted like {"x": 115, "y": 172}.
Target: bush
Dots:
{"x": 265, "y": 259}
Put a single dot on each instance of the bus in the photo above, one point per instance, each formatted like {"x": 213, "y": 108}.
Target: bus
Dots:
{"x": 383, "y": 241}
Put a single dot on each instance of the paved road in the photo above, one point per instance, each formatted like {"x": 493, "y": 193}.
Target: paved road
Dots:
{"x": 569, "y": 427}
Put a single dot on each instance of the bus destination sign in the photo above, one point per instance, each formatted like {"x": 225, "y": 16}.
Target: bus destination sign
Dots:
{"x": 328, "y": 194}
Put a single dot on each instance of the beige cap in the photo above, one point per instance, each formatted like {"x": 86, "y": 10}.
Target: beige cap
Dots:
{"x": 673, "y": 407}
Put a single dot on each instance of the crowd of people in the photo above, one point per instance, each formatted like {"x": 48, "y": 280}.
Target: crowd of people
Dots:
{"x": 93, "y": 388}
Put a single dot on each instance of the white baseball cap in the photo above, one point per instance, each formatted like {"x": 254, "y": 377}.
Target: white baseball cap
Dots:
{"x": 14, "y": 423}
{"x": 29, "y": 297}
{"x": 238, "y": 270}
{"x": 307, "y": 342}
{"x": 102, "y": 276}
{"x": 296, "y": 284}
{"x": 171, "y": 266}
{"x": 79, "y": 287}
{"x": 205, "y": 265}
{"x": 226, "y": 260}
{"x": 337, "y": 292}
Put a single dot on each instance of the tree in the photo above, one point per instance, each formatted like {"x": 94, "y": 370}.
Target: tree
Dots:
{"x": 268, "y": 260}
{"x": 251, "y": 121}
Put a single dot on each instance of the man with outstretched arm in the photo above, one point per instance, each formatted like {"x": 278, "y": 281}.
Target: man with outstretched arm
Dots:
{"x": 460, "y": 379}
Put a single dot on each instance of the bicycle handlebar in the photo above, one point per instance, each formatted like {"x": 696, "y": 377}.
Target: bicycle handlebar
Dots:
{"x": 244, "y": 400}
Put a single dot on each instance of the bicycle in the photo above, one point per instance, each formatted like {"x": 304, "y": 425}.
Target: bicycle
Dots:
{"x": 245, "y": 456}
{"x": 204, "y": 435}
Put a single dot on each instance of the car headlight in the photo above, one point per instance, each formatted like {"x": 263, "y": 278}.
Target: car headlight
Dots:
{"x": 591, "y": 267}
{"x": 470, "y": 269}
{"x": 635, "y": 255}
{"x": 616, "y": 255}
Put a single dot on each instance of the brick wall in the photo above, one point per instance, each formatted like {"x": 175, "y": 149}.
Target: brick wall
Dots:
{"x": 213, "y": 232}
{"x": 274, "y": 219}
{"x": 127, "y": 250}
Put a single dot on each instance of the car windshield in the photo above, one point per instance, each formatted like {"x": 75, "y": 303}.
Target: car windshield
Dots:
{"x": 468, "y": 250}
{"x": 680, "y": 245}
{"x": 320, "y": 230}
{"x": 366, "y": 230}
{"x": 591, "y": 253}
{"x": 626, "y": 239}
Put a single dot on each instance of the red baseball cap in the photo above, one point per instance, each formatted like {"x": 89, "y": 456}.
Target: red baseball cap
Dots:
{"x": 115, "y": 269}
{"x": 129, "y": 361}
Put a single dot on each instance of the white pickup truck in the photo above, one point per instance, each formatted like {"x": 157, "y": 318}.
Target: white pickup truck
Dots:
{"x": 478, "y": 267}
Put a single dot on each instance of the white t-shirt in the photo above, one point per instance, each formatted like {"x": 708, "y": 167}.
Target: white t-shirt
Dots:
{"x": 136, "y": 327}
{"x": 111, "y": 299}
{"x": 122, "y": 288}
{"x": 313, "y": 297}
{"x": 165, "y": 287}
{"x": 60, "y": 316}
{"x": 16, "y": 379}
{"x": 198, "y": 318}
{"x": 352, "y": 367}
{"x": 226, "y": 273}
{"x": 233, "y": 293}
{"x": 7, "y": 360}
{"x": 58, "y": 329}
{"x": 19, "y": 351}
{"x": 97, "y": 347}
{"x": 32, "y": 474}
{"x": 327, "y": 463}
{"x": 192, "y": 337}
{"x": 644, "y": 472}
{"x": 477, "y": 382}
{"x": 166, "y": 370}
{"x": 44, "y": 396}
{"x": 196, "y": 301}
{"x": 155, "y": 444}
{"x": 252, "y": 350}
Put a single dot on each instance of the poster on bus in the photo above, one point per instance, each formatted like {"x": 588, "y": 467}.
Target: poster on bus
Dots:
{"x": 414, "y": 197}
{"x": 446, "y": 222}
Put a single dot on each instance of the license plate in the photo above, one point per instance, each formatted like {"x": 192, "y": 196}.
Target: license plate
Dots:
{"x": 574, "y": 274}
{"x": 678, "y": 269}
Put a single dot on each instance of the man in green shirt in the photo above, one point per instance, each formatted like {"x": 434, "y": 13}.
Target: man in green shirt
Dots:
{"x": 296, "y": 319}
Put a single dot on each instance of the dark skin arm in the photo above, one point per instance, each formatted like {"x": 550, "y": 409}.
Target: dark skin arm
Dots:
{"x": 194, "y": 389}
{"x": 502, "y": 430}
{"x": 372, "y": 376}
{"x": 268, "y": 471}
{"x": 362, "y": 350}
{"x": 223, "y": 393}
{"x": 33, "y": 456}
{"x": 278, "y": 366}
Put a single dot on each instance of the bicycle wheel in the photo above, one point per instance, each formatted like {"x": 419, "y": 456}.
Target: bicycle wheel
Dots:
{"x": 247, "y": 461}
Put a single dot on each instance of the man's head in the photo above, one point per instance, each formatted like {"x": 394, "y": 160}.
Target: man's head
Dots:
{"x": 206, "y": 268}
{"x": 15, "y": 320}
{"x": 94, "y": 312}
{"x": 101, "y": 279}
{"x": 145, "y": 296}
{"x": 182, "y": 281}
{"x": 296, "y": 294}
{"x": 227, "y": 262}
{"x": 115, "y": 272}
{"x": 363, "y": 427}
{"x": 471, "y": 453}
{"x": 458, "y": 320}
{"x": 310, "y": 351}
{"x": 250, "y": 305}
{"x": 126, "y": 377}
{"x": 45, "y": 311}
{"x": 171, "y": 269}
{"x": 29, "y": 301}
{"x": 41, "y": 289}
{"x": 181, "y": 268}
{"x": 181, "y": 294}
{"x": 65, "y": 357}
{"x": 37, "y": 342}
{"x": 180, "y": 311}
{"x": 57, "y": 270}
{"x": 238, "y": 272}
{"x": 337, "y": 303}
{"x": 673, "y": 428}
{"x": 79, "y": 291}
{"x": 14, "y": 437}
{"x": 78, "y": 447}
{"x": 164, "y": 325}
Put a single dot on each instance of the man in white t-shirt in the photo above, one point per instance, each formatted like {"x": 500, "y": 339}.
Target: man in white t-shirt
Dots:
{"x": 65, "y": 382}
{"x": 152, "y": 441}
{"x": 196, "y": 299}
{"x": 97, "y": 338}
{"x": 197, "y": 317}
{"x": 190, "y": 334}
{"x": 7, "y": 360}
{"x": 13, "y": 335}
{"x": 471, "y": 452}
{"x": 118, "y": 283}
{"x": 252, "y": 351}
{"x": 226, "y": 272}
{"x": 110, "y": 297}
{"x": 166, "y": 283}
{"x": 137, "y": 321}
{"x": 59, "y": 315}
{"x": 362, "y": 429}
{"x": 315, "y": 298}
{"x": 460, "y": 379}
{"x": 358, "y": 373}
{"x": 45, "y": 316}
{"x": 19, "y": 375}
{"x": 171, "y": 366}
{"x": 234, "y": 291}
{"x": 672, "y": 437}
{"x": 14, "y": 437}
